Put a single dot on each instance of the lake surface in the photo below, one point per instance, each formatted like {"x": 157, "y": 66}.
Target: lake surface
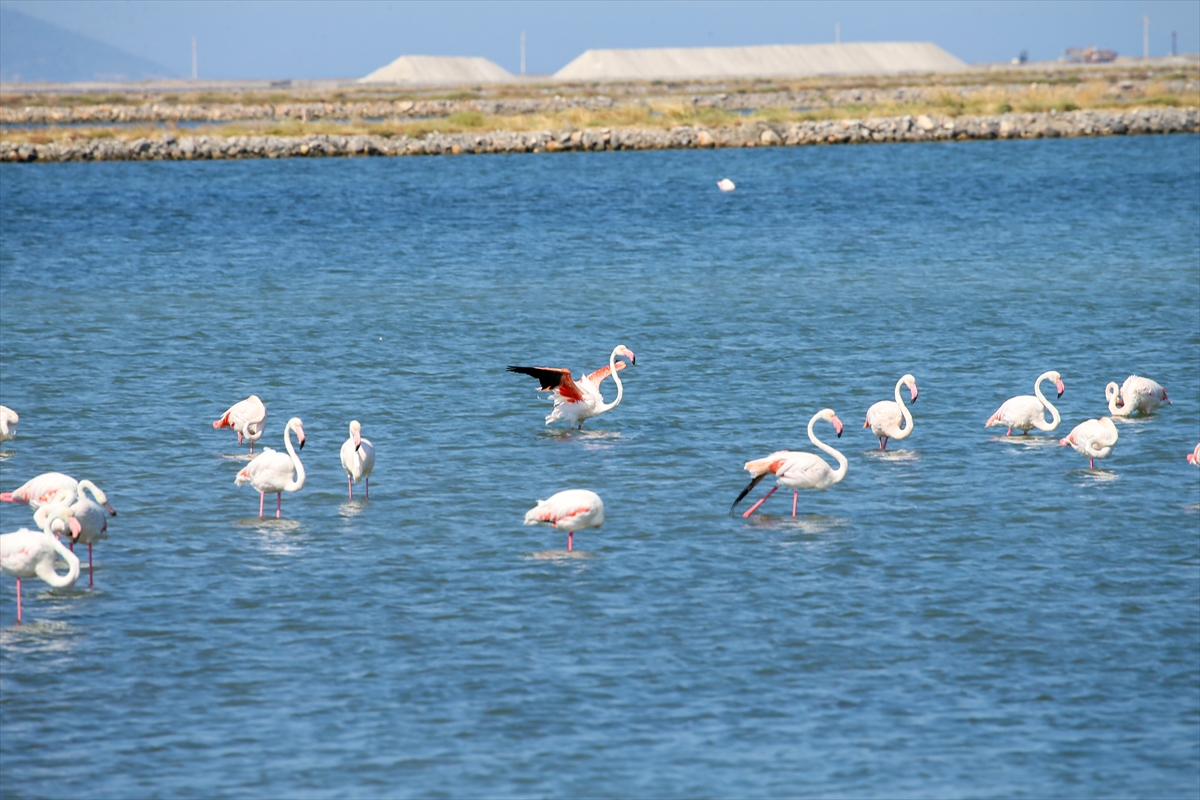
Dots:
{"x": 962, "y": 616}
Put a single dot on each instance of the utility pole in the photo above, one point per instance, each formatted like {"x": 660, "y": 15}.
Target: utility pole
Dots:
{"x": 1174, "y": 45}
{"x": 522, "y": 52}
{"x": 1145, "y": 37}
{"x": 837, "y": 33}
{"x": 195, "y": 74}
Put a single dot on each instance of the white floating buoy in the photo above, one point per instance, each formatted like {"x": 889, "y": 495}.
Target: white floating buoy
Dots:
{"x": 725, "y": 185}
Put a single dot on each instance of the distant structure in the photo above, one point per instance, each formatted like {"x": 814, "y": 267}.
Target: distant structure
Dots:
{"x": 1089, "y": 55}
{"x": 764, "y": 61}
{"x": 434, "y": 70}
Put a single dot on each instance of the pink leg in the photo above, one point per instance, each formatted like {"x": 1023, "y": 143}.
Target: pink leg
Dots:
{"x": 350, "y": 483}
{"x": 1091, "y": 464}
{"x": 367, "y": 482}
{"x": 754, "y": 507}
{"x": 795, "y": 497}
{"x": 1009, "y": 432}
{"x": 240, "y": 438}
{"x": 262, "y": 498}
{"x": 570, "y": 540}
{"x": 70, "y": 544}
{"x": 278, "y": 504}
{"x": 251, "y": 448}
{"x": 18, "y": 601}
{"x": 89, "y": 563}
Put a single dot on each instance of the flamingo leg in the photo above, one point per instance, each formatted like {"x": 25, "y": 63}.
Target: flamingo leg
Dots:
{"x": 89, "y": 563}
{"x": 70, "y": 544}
{"x": 278, "y": 504}
{"x": 570, "y": 540}
{"x": 1091, "y": 464}
{"x": 795, "y": 497}
{"x": 350, "y": 483}
{"x": 251, "y": 447}
{"x": 262, "y": 498}
{"x": 239, "y": 433}
{"x": 367, "y": 481}
{"x": 1009, "y": 432}
{"x": 754, "y": 507}
{"x": 18, "y": 601}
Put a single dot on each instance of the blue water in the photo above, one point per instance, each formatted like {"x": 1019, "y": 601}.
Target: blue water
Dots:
{"x": 965, "y": 616}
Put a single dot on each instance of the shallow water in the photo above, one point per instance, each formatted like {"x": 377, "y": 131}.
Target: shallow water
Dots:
{"x": 966, "y": 614}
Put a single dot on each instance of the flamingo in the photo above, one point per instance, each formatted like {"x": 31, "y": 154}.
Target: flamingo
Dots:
{"x": 577, "y": 401}
{"x": 797, "y": 470}
{"x": 8, "y": 424}
{"x": 1093, "y": 438}
{"x": 570, "y": 511}
{"x": 1136, "y": 394}
{"x": 271, "y": 471}
{"x": 358, "y": 459}
{"x": 246, "y": 418}
{"x": 726, "y": 185}
{"x": 1026, "y": 411}
{"x": 90, "y": 514}
{"x": 27, "y": 554}
{"x": 54, "y": 487}
{"x": 1194, "y": 456}
{"x": 885, "y": 417}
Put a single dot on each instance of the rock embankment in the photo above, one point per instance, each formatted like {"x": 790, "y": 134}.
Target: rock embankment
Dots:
{"x": 756, "y": 134}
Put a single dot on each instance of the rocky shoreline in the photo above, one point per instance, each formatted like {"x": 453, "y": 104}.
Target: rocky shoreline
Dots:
{"x": 920, "y": 128}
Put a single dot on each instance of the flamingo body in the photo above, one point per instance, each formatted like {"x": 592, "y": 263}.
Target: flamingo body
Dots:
{"x": 28, "y": 554}
{"x": 886, "y": 417}
{"x": 576, "y": 401}
{"x": 1024, "y": 412}
{"x": 272, "y": 471}
{"x": 726, "y": 185}
{"x": 1093, "y": 438}
{"x": 358, "y": 459}
{"x": 570, "y": 511}
{"x": 797, "y": 470}
{"x": 247, "y": 418}
{"x": 8, "y": 424}
{"x": 45, "y": 488}
{"x": 1194, "y": 456}
{"x": 1136, "y": 395}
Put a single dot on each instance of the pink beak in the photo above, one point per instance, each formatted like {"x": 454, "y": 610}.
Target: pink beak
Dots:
{"x": 110, "y": 509}
{"x": 1059, "y": 385}
{"x": 75, "y": 527}
{"x": 837, "y": 424}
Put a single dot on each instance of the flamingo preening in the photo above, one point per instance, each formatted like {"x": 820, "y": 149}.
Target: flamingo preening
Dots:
{"x": 358, "y": 459}
{"x": 885, "y": 417}
{"x": 1027, "y": 411}
{"x": 247, "y": 418}
{"x": 1135, "y": 395}
{"x": 271, "y": 471}
{"x": 90, "y": 514}
{"x": 797, "y": 470}
{"x": 53, "y": 487}
{"x": 570, "y": 511}
{"x": 27, "y": 554}
{"x": 575, "y": 401}
{"x": 8, "y": 424}
{"x": 1093, "y": 438}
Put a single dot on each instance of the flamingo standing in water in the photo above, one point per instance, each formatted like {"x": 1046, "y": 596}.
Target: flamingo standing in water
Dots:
{"x": 271, "y": 471}
{"x": 358, "y": 459}
{"x": 90, "y": 514}
{"x": 1194, "y": 456}
{"x": 54, "y": 487}
{"x": 797, "y": 470}
{"x": 575, "y": 401}
{"x": 885, "y": 417}
{"x": 1026, "y": 411}
{"x": 1093, "y": 438}
{"x": 568, "y": 511}
{"x": 247, "y": 418}
{"x": 1136, "y": 394}
{"x": 27, "y": 554}
{"x": 8, "y": 424}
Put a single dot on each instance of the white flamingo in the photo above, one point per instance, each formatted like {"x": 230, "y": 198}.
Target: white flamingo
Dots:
{"x": 1135, "y": 395}
{"x": 797, "y": 470}
{"x": 1194, "y": 456}
{"x": 8, "y": 424}
{"x": 90, "y": 514}
{"x": 570, "y": 511}
{"x": 28, "y": 554}
{"x": 1093, "y": 438}
{"x": 358, "y": 459}
{"x": 247, "y": 418}
{"x": 1027, "y": 411}
{"x": 726, "y": 185}
{"x": 885, "y": 417}
{"x": 54, "y": 488}
{"x": 575, "y": 401}
{"x": 271, "y": 471}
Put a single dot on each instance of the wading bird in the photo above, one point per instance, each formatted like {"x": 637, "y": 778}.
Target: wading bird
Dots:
{"x": 247, "y": 418}
{"x": 1135, "y": 395}
{"x": 272, "y": 471}
{"x": 8, "y": 424}
{"x": 1027, "y": 411}
{"x": 54, "y": 487}
{"x": 575, "y": 401}
{"x": 1093, "y": 438}
{"x": 568, "y": 511}
{"x": 358, "y": 459}
{"x": 797, "y": 470}
{"x": 885, "y": 417}
{"x": 29, "y": 554}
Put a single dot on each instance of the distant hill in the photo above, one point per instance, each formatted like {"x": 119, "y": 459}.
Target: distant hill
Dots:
{"x": 32, "y": 50}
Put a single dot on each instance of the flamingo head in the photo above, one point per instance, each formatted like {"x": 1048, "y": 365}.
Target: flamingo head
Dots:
{"x": 356, "y": 434}
{"x": 295, "y": 424}
{"x": 625, "y": 352}
{"x": 75, "y": 527}
{"x": 827, "y": 413}
{"x": 911, "y": 383}
{"x": 1111, "y": 391}
{"x": 1058, "y": 384}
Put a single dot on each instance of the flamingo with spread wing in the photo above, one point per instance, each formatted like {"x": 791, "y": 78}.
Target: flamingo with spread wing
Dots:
{"x": 576, "y": 401}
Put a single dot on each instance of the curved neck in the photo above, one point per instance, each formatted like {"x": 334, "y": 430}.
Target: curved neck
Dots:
{"x": 1040, "y": 422}
{"x": 45, "y": 569}
{"x": 1112, "y": 393}
{"x": 838, "y": 473}
{"x": 908, "y": 422}
{"x": 297, "y": 484}
{"x": 616, "y": 376}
